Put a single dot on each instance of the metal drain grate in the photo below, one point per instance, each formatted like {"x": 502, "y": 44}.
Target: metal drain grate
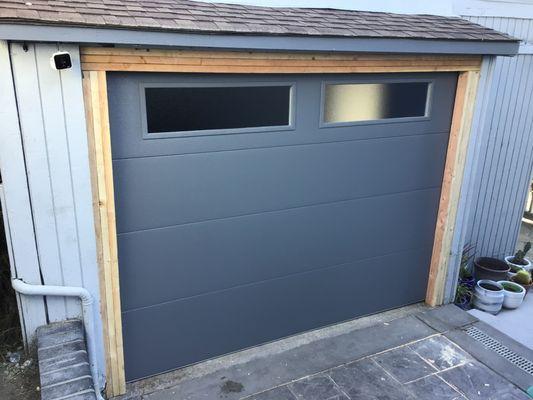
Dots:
{"x": 492, "y": 344}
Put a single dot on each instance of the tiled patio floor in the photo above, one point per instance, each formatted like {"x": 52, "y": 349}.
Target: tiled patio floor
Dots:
{"x": 421, "y": 354}
{"x": 433, "y": 368}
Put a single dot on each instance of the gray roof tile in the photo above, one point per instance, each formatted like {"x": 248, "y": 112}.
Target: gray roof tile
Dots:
{"x": 191, "y": 16}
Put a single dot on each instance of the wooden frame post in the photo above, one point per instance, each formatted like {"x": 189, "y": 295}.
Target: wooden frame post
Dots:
{"x": 97, "y": 61}
{"x": 465, "y": 98}
{"x": 95, "y": 94}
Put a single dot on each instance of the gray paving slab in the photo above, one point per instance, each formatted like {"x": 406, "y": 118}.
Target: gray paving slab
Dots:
{"x": 440, "y": 352}
{"x": 477, "y": 382}
{"x": 434, "y": 388}
{"x": 365, "y": 379}
{"x": 404, "y": 364}
{"x": 318, "y": 387}
{"x": 280, "y": 393}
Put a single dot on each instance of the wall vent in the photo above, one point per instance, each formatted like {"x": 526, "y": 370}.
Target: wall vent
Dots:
{"x": 494, "y": 345}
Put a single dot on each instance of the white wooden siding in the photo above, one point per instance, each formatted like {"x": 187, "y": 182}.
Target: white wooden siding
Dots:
{"x": 521, "y": 28}
{"x": 16, "y": 201}
{"x": 506, "y": 157}
{"x": 54, "y": 141}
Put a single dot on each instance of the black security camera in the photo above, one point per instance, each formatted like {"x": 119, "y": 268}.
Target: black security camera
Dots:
{"x": 61, "y": 60}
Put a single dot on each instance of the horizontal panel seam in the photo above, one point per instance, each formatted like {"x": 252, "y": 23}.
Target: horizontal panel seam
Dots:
{"x": 279, "y": 210}
{"x": 314, "y": 270}
{"x": 446, "y": 132}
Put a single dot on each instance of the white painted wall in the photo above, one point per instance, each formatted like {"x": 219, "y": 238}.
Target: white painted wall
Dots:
{"x": 52, "y": 140}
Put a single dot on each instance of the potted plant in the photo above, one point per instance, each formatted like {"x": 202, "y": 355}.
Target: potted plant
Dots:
{"x": 519, "y": 260}
{"x": 523, "y": 278}
{"x": 488, "y": 296}
{"x": 493, "y": 269}
{"x": 513, "y": 294}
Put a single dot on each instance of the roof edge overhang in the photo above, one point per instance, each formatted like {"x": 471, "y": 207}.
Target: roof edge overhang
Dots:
{"x": 90, "y": 35}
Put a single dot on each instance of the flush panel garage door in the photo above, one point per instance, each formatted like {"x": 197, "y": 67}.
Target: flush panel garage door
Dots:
{"x": 250, "y": 208}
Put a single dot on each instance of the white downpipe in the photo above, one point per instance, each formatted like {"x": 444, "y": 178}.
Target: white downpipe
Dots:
{"x": 87, "y": 304}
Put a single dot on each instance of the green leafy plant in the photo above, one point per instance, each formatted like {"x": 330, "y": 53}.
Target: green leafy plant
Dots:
{"x": 465, "y": 271}
{"x": 462, "y": 291}
{"x": 521, "y": 254}
{"x": 522, "y": 277}
{"x": 511, "y": 288}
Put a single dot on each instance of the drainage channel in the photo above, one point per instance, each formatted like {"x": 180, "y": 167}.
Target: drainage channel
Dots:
{"x": 492, "y": 344}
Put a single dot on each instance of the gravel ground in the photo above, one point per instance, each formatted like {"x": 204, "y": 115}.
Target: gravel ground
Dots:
{"x": 19, "y": 380}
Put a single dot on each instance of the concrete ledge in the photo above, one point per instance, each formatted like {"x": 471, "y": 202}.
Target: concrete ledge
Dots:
{"x": 63, "y": 362}
{"x": 446, "y": 318}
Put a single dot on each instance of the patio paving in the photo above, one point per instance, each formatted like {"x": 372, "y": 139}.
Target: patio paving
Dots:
{"x": 422, "y": 354}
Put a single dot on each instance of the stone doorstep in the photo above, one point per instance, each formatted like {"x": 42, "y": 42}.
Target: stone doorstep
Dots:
{"x": 46, "y": 353}
{"x": 63, "y": 362}
{"x": 54, "y": 377}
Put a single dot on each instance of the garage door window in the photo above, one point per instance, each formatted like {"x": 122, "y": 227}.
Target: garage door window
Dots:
{"x": 216, "y": 109}
{"x": 355, "y": 102}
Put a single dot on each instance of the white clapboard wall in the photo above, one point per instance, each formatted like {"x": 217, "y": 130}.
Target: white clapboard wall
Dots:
{"x": 45, "y": 168}
{"x": 505, "y": 165}
{"x": 16, "y": 200}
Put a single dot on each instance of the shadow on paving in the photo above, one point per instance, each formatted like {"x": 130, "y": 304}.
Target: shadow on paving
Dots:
{"x": 418, "y": 356}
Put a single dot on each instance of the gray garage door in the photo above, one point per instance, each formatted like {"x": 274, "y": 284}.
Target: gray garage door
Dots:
{"x": 250, "y": 208}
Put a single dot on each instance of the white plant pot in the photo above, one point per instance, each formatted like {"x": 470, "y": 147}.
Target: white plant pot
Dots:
{"x": 512, "y": 299}
{"x": 527, "y": 267}
{"x": 490, "y": 301}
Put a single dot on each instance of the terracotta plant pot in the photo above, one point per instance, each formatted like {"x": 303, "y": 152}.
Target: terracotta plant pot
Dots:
{"x": 492, "y": 269}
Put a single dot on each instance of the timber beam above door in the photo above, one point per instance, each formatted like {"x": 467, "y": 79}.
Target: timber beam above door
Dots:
{"x": 147, "y": 60}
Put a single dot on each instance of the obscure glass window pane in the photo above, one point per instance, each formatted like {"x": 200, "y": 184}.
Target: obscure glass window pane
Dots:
{"x": 373, "y": 101}
{"x": 176, "y": 109}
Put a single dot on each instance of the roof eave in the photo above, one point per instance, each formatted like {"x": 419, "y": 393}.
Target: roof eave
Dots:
{"x": 90, "y": 35}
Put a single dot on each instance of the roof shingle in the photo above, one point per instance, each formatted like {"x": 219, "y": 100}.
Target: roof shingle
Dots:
{"x": 193, "y": 16}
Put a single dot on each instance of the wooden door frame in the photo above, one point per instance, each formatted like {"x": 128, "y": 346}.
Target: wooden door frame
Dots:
{"x": 97, "y": 61}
